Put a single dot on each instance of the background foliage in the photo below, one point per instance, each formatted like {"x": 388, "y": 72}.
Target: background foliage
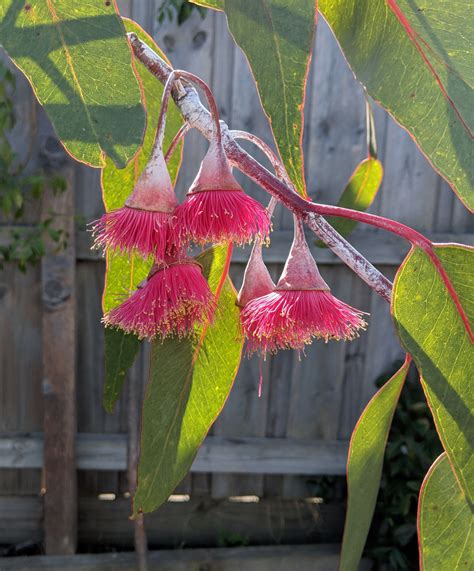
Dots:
{"x": 24, "y": 244}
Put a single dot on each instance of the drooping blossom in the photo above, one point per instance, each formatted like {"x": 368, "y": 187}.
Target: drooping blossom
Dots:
{"x": 146, "y": 223}
{"x": 170, "y": 302}
{"x": 216, "y": 208}
{"x": 300, "y": 308}
{"x": 257, "y": 281}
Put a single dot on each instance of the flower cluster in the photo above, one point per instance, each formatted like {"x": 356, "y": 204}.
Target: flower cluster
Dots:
{"x": 175, "y": 297}
{"x": 295, "y": 311}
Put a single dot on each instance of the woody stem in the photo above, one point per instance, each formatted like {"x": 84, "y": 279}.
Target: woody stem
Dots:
{"x": 210, "y": 100}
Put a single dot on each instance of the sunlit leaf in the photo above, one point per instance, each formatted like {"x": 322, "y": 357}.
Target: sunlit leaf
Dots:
{"x": 432, "y": 330}
{"x": 215, "y": 4}
{"x": 277, "y": 38}
{"x": 188, "y": 386}
{"x": 79, "y": 63}
{"x": 445, "y": 521}
{"x": 125, "y": 272}
{"x": 364, "y": 467}
{"x": 423, "y": 79}
{"x": 359, "y": 194}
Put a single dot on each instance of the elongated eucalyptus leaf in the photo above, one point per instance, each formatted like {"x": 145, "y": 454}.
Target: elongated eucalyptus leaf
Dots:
{"x": 417, "y": 63}
{"x": 79, "y": 63}
{"x": 419, "y": 67}
{"x": 364, "y": 467}
{"x": 120, "y": 352}
{"x": 359, "y": 194}
{"x": 445, "y": 521}
{"x": 125, "y": 272}
{"x": 432, "y": 330}
{"x": 277, "y": 38}
{"x": 189, "y": 383}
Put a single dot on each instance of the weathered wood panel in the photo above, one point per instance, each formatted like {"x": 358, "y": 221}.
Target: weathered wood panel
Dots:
{"x": 275, "y": 558}
{"x": 217, "y": 454}
{"x": 187, "y": 521}
{"x": 59, "y": 359}
{"x": 20, "y": 310}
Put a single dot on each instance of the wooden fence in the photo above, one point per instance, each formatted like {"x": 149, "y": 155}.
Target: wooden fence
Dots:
{"x": 254, "y": 477}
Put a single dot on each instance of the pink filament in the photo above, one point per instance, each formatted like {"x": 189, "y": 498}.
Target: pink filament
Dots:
{"x": 146, "y": 232}
{"x": 290, "y": 319}
{"x": 222, "y": 215}
{"x": 171, "y": 303}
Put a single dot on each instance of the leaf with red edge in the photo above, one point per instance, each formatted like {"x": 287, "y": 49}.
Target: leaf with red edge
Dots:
{"x": 277, "y": 36}
{"x": 190, "y": 380}
{"x": 418, "y": 66}
{"x": 364, "y": 467}
{"x": 76, "y": 56}
{"x": 427, "y": 24}
{"x": 434, "y": 321}
{"x": 445, "y": 521}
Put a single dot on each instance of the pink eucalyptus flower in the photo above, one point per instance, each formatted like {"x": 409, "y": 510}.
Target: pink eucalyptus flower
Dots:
{"x": 172, "y": 300}
{"x": 300, "y": 308}
{"x": 257, "y": 281}
{"x": 216, "y": 209}
{"x": 146, "y": 223}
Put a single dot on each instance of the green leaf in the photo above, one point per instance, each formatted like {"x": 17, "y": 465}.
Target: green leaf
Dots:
{"x": 124, "y": 272}
{"x": 434, "y": 101}
{"x": 120, "y": 352}
{"x": 364, "y": 467}
{"x": 359, "y": 194}
{"x": 432, "y": 330}
{"x": 444, "y": 521}
{"x": 76, "y": 56}
{"x": 188, "y": 386}
{"x": 277, "y": 39}
{"x": 214, "y": 4}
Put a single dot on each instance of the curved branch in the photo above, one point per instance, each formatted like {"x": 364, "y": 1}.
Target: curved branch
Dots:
{"x": 199, "y": 117}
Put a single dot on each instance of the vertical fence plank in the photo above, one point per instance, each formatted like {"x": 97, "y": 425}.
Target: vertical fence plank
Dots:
{"x": 59, "y": 382}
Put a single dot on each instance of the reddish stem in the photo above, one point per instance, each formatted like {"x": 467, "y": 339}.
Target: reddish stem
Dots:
{"x": 160, "y": 131}
{"x": 176, "y": 140}
{"x": 277, "y": 165}
{"x": 409, "y": 234}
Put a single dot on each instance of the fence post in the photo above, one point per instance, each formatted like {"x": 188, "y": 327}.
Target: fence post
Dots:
{"x": 59, "y": 382}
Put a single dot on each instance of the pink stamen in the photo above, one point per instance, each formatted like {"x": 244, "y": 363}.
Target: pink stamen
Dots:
{"x": 172, "y": 301}
{"x": 222, "y": 216}
{"x": 291, "y": 319}
{"x": 260, "y": 380}
{"x": 129, "y": 230}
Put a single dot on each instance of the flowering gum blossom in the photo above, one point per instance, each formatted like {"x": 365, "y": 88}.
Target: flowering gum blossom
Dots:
{"x": 173, "y": 299}
{"x": 216, "y": 209}
{"x": 300, "y": 308}
{"x": 146, "y": 224}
